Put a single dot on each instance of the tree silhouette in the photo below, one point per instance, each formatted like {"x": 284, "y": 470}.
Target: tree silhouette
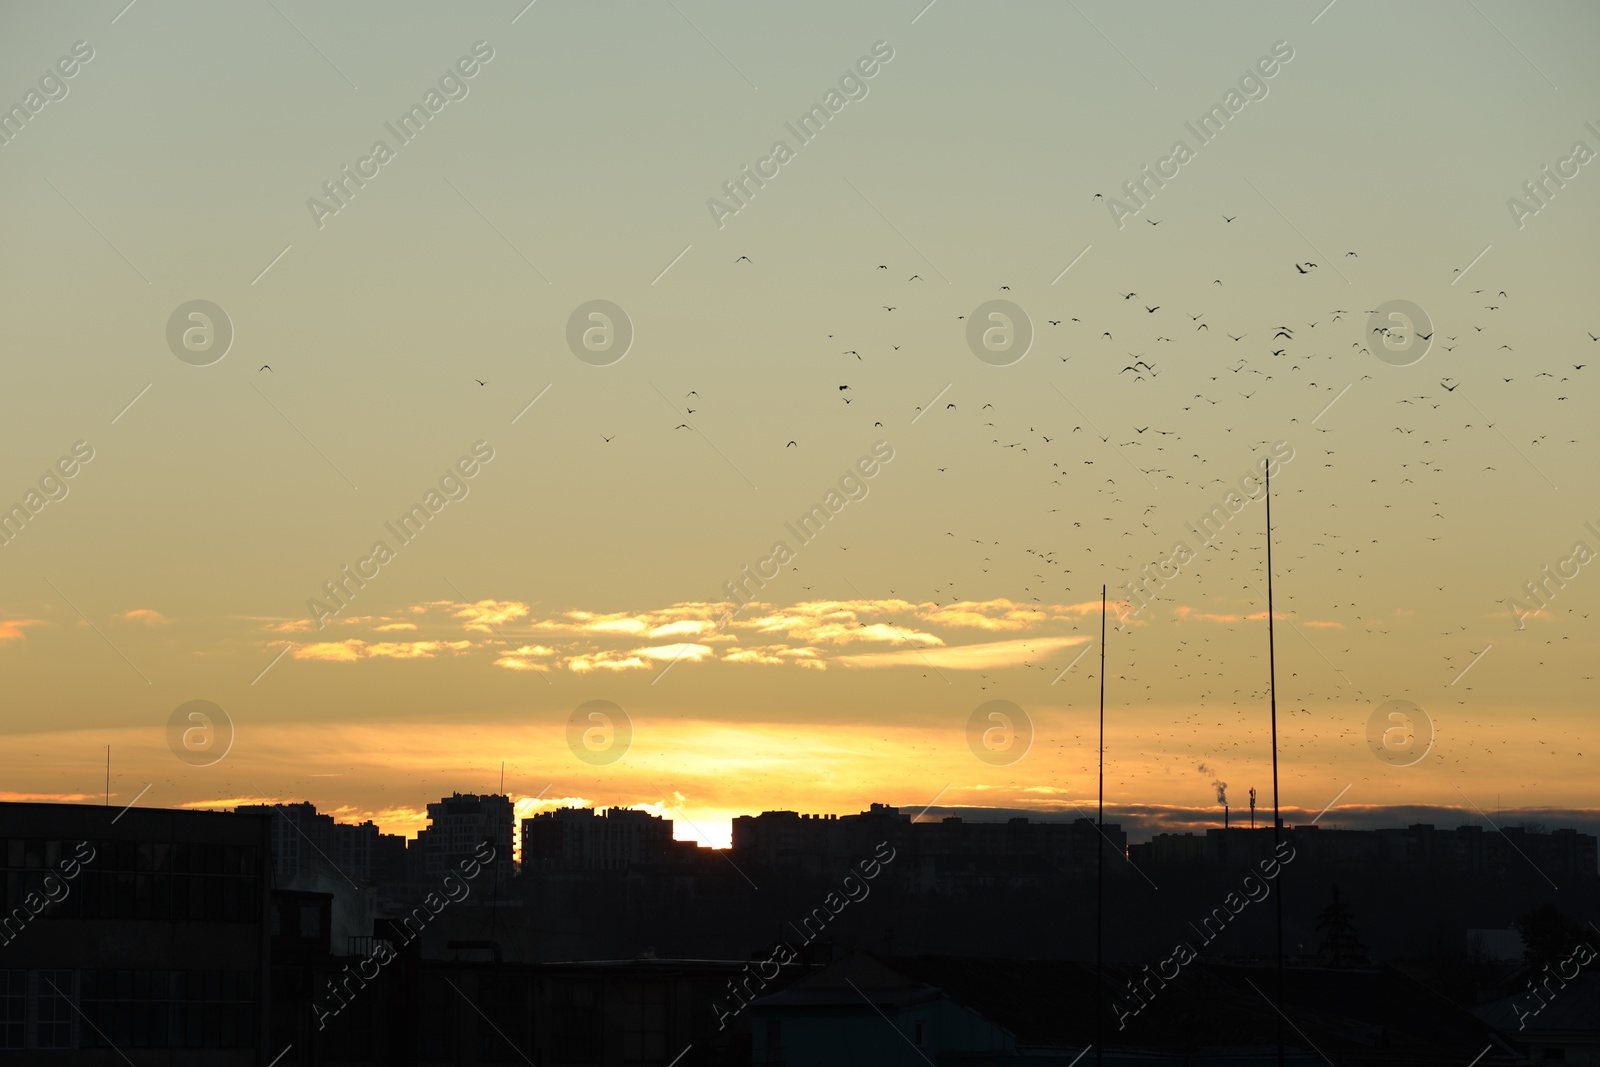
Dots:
{"x": 1548, "y": 936}
{"x": 1340, "y": 945}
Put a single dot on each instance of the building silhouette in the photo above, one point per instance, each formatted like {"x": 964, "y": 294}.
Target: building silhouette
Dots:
{"x": 162, "y": 936}
{"x": 934, "y": 855}
{"x": 152, "y": 934}
{"x": 583, "y": 839}
{"x": 457, "y": 825}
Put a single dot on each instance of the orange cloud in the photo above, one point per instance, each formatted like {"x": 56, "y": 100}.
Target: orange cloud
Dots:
{"x": 809, "y": 634}
{"x": 146, "y": 616}
{"x": 638, "y": 658}
{"x": 483, "y": 616}
{"x": 520, "y": 659}
{"x": 13, "y": 629}
{"x": 354, "y": 649}
{"x": 775, "y": 654}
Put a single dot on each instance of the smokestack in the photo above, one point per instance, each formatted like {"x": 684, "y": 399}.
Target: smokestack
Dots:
{"x": 1224, "y": 816}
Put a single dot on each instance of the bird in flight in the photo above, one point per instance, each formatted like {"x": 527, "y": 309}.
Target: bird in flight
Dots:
{"x": 683, "y": 426}
{"x": 480, "y": 381}
{"x": 606, "y": 439}
{"x": 792, "y": 444}
{"x": 1153, "y": 310}
{"x": 265, "y": 368}
{"x": 1225, "y": 218}
{"x": 742, "y": 259}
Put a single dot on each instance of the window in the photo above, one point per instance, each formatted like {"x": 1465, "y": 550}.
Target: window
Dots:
{"x": 437, "y": 1028}
{"x": 644, "y": 1022}
{"x": 504, "y": 1029}
{"x": 774, "y": 1041}
{"x": 53, "y": 1008}
{"x": 13, "y": 1008}
{"x": 169, "y": 1009}
{"x": 575, "y": 1023}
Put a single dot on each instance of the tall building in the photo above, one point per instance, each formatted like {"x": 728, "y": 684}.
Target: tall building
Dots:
{"x": 367, "y": 855}
{"x": 307, "y": 844}
{"x": 302, "y": 838}
{"x": 457, "y": 825}
{"x": 582, "y": 839}
{"x": 139, "y": 930}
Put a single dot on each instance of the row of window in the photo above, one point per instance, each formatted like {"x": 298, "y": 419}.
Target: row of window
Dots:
{"x": 97, "y": 894}
{"x": 37, "y": 853}
{"x": 63, "y": 1009}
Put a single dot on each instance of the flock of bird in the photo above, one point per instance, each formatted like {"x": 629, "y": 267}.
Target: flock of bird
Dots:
{"x": 1205, "y": 408}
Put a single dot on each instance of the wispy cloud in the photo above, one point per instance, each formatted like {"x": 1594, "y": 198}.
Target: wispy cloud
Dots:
{"x": 355, "y": 649}
{"x": 812, "y": 634}
{"x": 1014, "y": 653}
{"x": 16, "y": 629}
{"x": 637, "y": 658}
{"x": 144, "y": 616}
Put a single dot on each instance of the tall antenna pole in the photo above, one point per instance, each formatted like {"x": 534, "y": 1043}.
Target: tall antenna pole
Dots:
{"x": 1277, "y": 821}
{"x": 108, "y": 776}
{"x": 1100, "y": 852}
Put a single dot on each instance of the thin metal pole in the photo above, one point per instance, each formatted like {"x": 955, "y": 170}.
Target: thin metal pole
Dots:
{"x": 1100, "y": 852}
{"x": 1277, "y": 821}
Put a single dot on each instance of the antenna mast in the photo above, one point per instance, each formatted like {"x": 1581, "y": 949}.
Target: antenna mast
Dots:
{"x": 1277, "y": 820}
{"x": 1100, "y": 852}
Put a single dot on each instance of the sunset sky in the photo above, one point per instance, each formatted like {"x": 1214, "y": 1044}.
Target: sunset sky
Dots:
{"x": 778, "y": 352}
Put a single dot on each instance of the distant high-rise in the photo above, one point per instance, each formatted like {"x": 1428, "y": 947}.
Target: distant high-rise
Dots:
{"x": 302, "y": 838}
{"x": 581, "y": 839}
{"x": 305, "y": 841}
{"x": 457, "y": 825}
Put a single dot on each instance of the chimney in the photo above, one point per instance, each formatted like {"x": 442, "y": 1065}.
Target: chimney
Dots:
{"x": 1224, "y": 816}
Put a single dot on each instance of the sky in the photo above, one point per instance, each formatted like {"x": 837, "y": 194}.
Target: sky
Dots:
{"x": 810, "y": 345}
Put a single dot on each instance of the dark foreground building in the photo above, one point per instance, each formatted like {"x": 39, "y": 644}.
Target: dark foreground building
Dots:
{"x": 140, "y": 933}
{"x": 868, "y": 1010}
